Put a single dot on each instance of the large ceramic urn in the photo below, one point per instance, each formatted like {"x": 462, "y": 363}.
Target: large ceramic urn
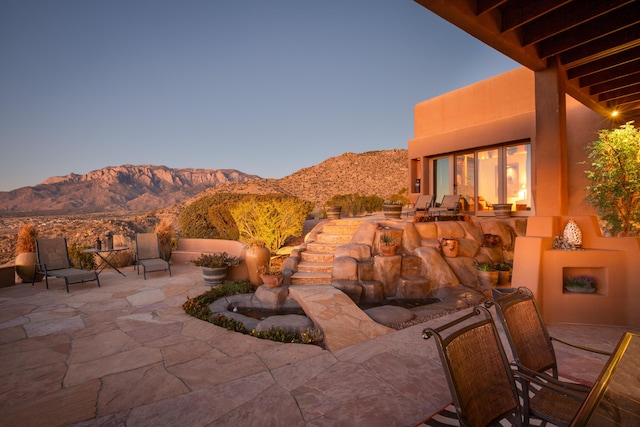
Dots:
{"x": 256, "y": 256}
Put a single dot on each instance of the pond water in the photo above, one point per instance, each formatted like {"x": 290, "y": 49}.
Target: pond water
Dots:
{"x": 404, "y": 303}
{"x": 263, "y": 313}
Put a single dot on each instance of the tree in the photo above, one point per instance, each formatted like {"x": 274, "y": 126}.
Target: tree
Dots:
{"x": 615, "y": 179}
{"x": 270, "y": 219}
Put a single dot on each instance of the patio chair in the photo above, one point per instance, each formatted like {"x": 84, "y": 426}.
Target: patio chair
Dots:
{"x": 482, "y": 383}
{"x": 53, "y": 260}
{"x": 148, "y": 254}
{"x": 423, "y": 203}
{"x": 450, "y": 204}
{"x": 527, "y": 334}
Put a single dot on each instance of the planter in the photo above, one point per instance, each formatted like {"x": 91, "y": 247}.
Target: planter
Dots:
{"x": 502, "y": 210}
{"x": 271, "y": 281}
{"x": 450, "y": 247}
{"x": 333, "y": 212}
{"x": 392, "y": 211}
{"x": 504, "y": 278}
{"x": 214, "y": 276}
{"x": 25, "y": 265}
{"x": 388, "y": 250}
{"x": 579, "y": 290}
{"x": 488, "y": 279}
{"x": 256, "y": 256}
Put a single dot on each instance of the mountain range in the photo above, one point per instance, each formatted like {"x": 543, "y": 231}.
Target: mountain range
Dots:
{"x": 140, "y": 188}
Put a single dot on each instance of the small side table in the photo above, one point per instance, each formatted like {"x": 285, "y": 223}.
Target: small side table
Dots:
{"x": 104, "y": 259}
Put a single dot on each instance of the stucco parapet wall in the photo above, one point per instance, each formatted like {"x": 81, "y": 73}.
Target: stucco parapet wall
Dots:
{"x": 191, "y": 249}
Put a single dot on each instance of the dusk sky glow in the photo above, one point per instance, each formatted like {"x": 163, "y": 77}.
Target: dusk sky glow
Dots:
{"x": 265, "y": 87}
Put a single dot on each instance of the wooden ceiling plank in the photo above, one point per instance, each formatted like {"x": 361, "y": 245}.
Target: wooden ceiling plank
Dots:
{"x": 609, "y": 24}
{"x": 566, "y": 17}
{"x": 602, "y": 47}
{"x": 615, "y": 84}
{"x": 604, "y": 63}
{"x": 611, "y": 73}
{"x": 518, "y": 12}
{"x": 484, "y": 6}
{"x": 620, "y": 93}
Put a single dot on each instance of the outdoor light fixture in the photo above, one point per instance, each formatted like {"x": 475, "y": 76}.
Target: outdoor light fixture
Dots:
{"x": 416, "y": 185}
{"x": 614, "y": 113}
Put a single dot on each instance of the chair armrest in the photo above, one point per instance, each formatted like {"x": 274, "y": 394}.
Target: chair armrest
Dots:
{"x": 550, "y": 383}
{"x": 580, "y": 347}
{"x": 543, "y": 376}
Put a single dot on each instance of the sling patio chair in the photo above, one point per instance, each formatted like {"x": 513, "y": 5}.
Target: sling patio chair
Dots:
{"x": 53, "y": 260}
{"x": 423, "y": 203}
{"x": 148, "y": 254}
{"x": 527, "y": 334}
{"x": 483, "y": 384}
{"x": 450, "y": 204}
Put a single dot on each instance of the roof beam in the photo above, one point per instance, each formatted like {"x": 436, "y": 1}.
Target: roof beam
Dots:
{"x": 604, "y": 63}
{"x": 518, "y": 13}
{"x": 602, "y": 47}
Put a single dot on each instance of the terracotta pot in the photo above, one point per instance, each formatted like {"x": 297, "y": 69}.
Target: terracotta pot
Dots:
{"x": 256, "y": 256}
{"x": 214, "y": 276}
{"x": 392, "y": 211}
{"x": 388, "y": 250}
{"x": 488, "y": 279}
{"x": 271, "y": 281}
{"x": 504, "y": 278}
{"x": 450, "y": 247}
{"x": 25, "y": 267}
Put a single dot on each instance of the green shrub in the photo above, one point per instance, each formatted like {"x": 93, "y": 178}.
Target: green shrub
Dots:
{"x": 615, "y": 179}
{"x": 356, "y": 204}
{"x": 195, "y": 219}
{"x": 222, "y": 220}
{"x": 80, "y": 259}
{"x": 270, "y": 218}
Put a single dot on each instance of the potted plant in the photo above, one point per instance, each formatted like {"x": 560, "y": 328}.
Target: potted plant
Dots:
{"x": 392, "y": 209}
{"x": 271, "y": 276}
{"x": 26, "y": 258}
{"x": 215, "y": 266}
{"x": 387, "y": 245}
{"x": 504, "y": 273}
{"x": 580, "y": 284}
{"x": 333, "y": 211}
{"x": 487, "y": 274}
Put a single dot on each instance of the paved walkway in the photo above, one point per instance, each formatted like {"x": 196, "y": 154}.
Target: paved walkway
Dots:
{"x": 126, "y": 354}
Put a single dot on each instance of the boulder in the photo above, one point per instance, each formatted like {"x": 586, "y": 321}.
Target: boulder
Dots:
{"x": 292, "y": 323}
{"x": 389, "y": 314}
{"x": 345, "y": 268}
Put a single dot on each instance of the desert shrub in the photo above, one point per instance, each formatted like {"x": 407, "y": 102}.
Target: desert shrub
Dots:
{"x": 270, "y": 219}
{"x": 356, "y": 204}
{"x": 615, "y": 179}
{"x": 27, "y": 235}
{"x": 80, "y": 259}
{"x": 195, "y": 220}
{"x": 222, "y": 220}
{"x": 165, "y": 231}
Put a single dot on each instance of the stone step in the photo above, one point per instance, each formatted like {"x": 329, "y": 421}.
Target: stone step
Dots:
{"x": 339, "y": 228}
{"x": 333, "y": 238}
{"x": 306, "y": 278}
{"x": 315, "y": 267}
{"x": 312, "y": 256}
{"x": 325, "y": 247}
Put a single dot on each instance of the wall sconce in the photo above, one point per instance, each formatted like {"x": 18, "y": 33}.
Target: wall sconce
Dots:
{"x": 416, "y": 185}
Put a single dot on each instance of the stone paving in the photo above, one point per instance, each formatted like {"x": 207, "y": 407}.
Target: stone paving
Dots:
{"x": 126, "y": 354}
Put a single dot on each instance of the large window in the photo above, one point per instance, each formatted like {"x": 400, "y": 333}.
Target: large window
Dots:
{"x": 500, "y": 174}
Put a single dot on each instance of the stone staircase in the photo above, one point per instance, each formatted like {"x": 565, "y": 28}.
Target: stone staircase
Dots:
{"x": 316, "y": 256}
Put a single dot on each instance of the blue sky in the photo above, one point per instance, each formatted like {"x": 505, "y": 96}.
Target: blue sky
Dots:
{"x": 265, "y": 87}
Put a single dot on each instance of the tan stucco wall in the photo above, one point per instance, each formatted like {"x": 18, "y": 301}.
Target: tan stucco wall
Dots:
{"x": 502, "y": 110}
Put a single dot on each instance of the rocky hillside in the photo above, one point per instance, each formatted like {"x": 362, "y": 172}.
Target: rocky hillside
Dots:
{"x": 120, "y": 188}
{"x": 379, "y": 173}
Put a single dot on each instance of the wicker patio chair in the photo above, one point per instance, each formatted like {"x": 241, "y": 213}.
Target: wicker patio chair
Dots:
{"x": 482, "y": 383}
{"x": 423, "y": 203}
{"x": 148, "y": 254}
{"x": 527, "y": 334}
{"x": 53, "y": 260}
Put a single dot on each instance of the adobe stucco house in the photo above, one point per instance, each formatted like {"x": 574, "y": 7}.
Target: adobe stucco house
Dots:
{"x": 480, "y": 142}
